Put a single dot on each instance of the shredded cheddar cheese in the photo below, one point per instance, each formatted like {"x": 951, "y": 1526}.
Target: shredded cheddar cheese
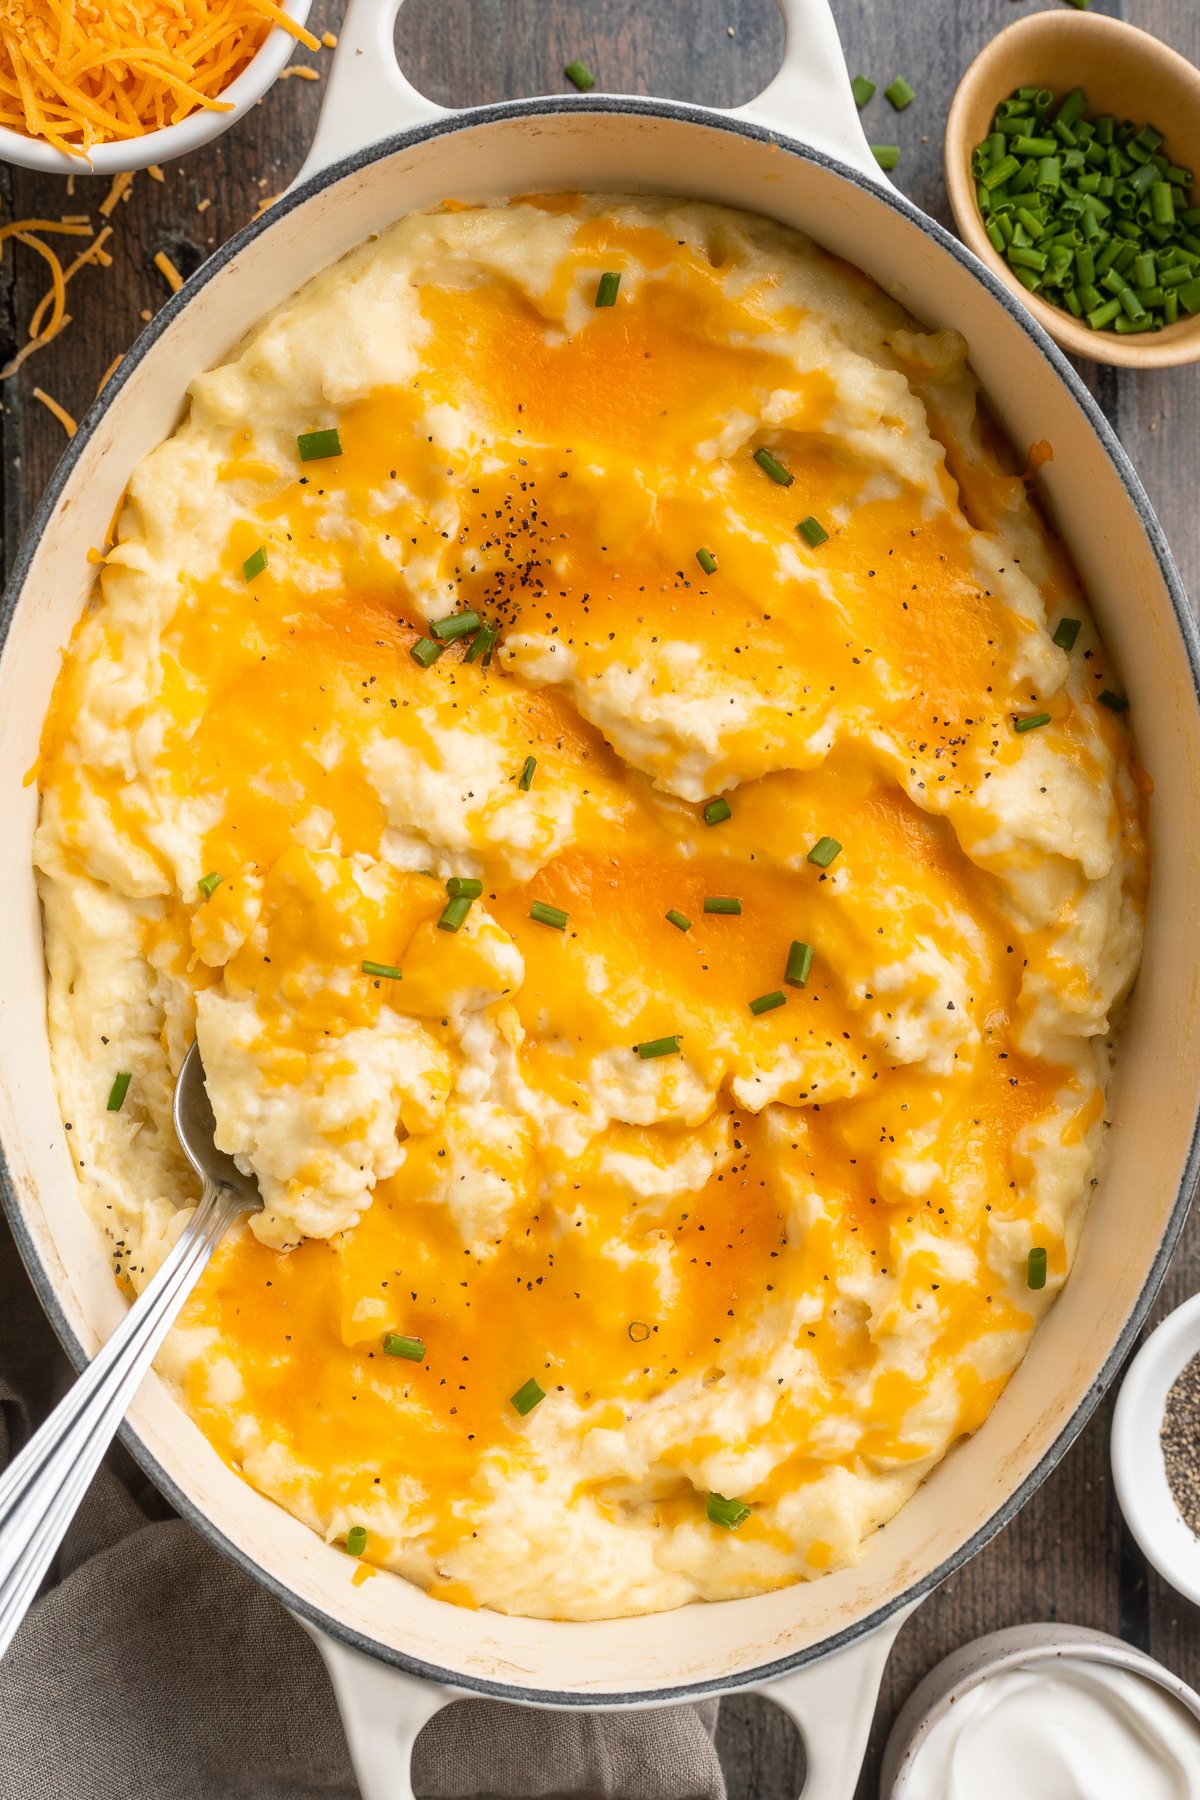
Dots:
{"x": 118, "y": 191}
{"x": 24, "y": 232}
{"x": 32, "y": 233}
{"x": 60, "y": 412}
{"x": 93, "y": 253}
{"x": 78, "y": 73}
{"x": 168, "y": 271}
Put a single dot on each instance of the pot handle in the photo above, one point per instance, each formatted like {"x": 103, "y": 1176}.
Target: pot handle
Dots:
{"x": 382, "y": 1711}
{"x": 833, "y": 1703}
{"x": 367, "y": 97}
{"x": 810, "y": 97}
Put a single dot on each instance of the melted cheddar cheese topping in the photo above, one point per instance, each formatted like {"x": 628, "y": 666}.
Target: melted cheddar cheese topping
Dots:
{"x": 785, "y": 1259}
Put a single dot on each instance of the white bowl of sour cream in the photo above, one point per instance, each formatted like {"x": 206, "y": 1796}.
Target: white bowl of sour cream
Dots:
{"x": 1043, "y": 1712}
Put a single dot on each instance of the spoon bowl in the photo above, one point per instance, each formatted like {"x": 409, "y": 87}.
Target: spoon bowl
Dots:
{"x": 196, "y": 1129}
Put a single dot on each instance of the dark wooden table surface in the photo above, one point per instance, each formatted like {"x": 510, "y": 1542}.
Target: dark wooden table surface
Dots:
{"x": 1067, "y": 1556}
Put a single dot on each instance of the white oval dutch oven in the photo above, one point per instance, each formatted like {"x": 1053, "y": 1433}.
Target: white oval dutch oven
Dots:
{"x": 798, "y": 154}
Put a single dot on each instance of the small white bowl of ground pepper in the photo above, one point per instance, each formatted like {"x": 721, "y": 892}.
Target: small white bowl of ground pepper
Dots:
{"x": 1073, "y": 163}
{"x": 1156, "y": 1448}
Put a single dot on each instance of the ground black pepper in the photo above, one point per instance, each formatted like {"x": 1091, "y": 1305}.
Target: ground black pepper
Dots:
{"x": 1180, "y": 1437}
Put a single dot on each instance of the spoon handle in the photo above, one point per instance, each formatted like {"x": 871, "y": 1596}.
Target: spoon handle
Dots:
{"x": 41, "y": 1489}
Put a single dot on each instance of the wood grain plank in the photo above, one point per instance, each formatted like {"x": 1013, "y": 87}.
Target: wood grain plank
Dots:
{"x": 1066, "y": 1556}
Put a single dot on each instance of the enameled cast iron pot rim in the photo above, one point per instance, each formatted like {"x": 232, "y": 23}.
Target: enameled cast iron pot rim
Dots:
{"x": 1061, "y": 370}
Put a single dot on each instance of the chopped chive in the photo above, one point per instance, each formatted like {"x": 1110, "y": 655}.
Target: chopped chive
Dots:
{"x": 771, "y": 465}
{"x": 483, "y": 643}
{"x": 824, "y": 851}
{"x": 729, "y": 1513}
{"x": 1101, "y": 316}
{"x": 456, "y": 625}
{"x": 581, "y": 75}
{"x": 606, "y": 288}
{"x": 549, "y": 915}
{"x": 316, "y": 446}
{"x": 454, "y": 913}
{"x": 1035, "y": 1276}
{"x": 664, "y": 1046}
{"x": 1066, "y": 631}
{"x": 722, "y": 903}
{"x": 412, "y": 1349}
{"x": 425, "y": 651}
{"x": 862, "y": 88}
{"x": 680, "y": 920}
{"x": 1162, "y": 203}
{"x": 1114, "y": 702}
{"x": 383, "y": 971}
{"x": 356, "y": 1540}
{"x": 813, "y": 532}
{"x": 526, "y": 778}
{"x": 900, "y": 93}
{"x": 464, "y": 887}
{"x": 717, "y": 811}
{"x": 887, "y": 155}
{"x": 707, "y": 561}
{"x": 529, "y": 1395}
{"x": 768, "y": 1002}
{"x": 1001, "y": 173}
{"x": 118, "y": 1091}
{"x": 799, "y": 963}
{"x": 1031, "y": 722}
{"x": 255, "y": 564}
{"x": 208, "y": 884}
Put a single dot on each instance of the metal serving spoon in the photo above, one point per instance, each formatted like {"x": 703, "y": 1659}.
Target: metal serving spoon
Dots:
{"x": 40, "y": 1491}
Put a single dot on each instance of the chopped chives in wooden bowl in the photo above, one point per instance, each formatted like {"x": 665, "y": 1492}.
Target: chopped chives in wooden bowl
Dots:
{"x": 1091, "y": 214}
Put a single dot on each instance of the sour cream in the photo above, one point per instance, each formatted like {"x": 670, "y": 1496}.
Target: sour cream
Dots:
{"x": 1064, "y": 1730}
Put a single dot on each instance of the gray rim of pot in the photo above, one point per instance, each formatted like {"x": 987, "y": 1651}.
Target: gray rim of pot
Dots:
{"x": 684, "y": 113}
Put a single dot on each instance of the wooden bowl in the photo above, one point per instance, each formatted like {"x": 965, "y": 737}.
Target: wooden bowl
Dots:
{"x": 1122, "y": 71}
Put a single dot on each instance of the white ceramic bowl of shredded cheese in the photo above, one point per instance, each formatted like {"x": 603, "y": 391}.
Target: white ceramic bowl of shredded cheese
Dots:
{"x": 200, "y": 127}
{"x": 1041, "y": 1710}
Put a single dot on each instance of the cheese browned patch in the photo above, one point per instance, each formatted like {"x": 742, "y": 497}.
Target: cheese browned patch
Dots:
{"x": 781, "y": 1258}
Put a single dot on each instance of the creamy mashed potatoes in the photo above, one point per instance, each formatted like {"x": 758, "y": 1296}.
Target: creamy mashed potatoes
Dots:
{"x": 747, "y": 1192}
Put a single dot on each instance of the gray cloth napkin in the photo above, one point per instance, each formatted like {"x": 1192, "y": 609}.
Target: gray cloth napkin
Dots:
{"x": 152, "y": 1669}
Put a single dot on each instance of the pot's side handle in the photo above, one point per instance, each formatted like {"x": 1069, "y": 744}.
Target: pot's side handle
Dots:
{"x": 382, "y": 1712}
{"x": 833, "y": 1703}
{"x": 366, "y": 96}
{"x": 810, "y": 97}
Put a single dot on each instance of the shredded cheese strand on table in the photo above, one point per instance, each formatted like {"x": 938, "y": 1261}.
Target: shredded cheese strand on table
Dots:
{"x": 93, "y": 253}
{"x": 168, "y": 271}
{"x": 60, "y": 412}
{"x": 121, "y": 184}
{"x": 32, "y": 233}
{"x": 79, "y": 72}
